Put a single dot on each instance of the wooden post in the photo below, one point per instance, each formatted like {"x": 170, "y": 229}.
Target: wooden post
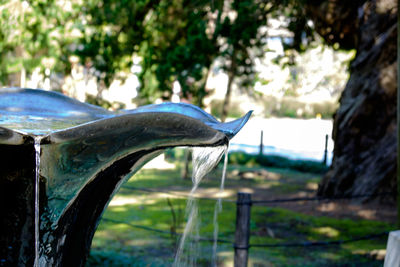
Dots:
{"x": 326, "y": 150}
{"x": 242, "y": 233}
{"x": 261, "y": 150}
{"x": 187, "y": 158}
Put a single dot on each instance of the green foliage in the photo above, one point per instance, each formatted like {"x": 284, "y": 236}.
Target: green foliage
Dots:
{"x": 178, "y": 40}
{"x": 98, "y": 102}
{"x": 112, "y": 33}
{"x": 299, "y": 24}
{"x": 175, "y": 154}
{"x": 177, "y": 49}
{"x": 101, "y": 258}
{"x": 289, "y": 108}
{"x": 234, "y": 110}
{"x": 182, "y": 46}
{"x": 244, "y": 38}
{"x": 186, "y": 37}
{"x": 326, "y": 109}
{"x": 293, "y": 108}
{"x": 104, "y": 103}
{"x": 121, "y": 242}
{"x": 250, "y": 160}
{"x": 34, "y": 34}
{"x": 242, "y": 158}
{"x": 303, "y": 32}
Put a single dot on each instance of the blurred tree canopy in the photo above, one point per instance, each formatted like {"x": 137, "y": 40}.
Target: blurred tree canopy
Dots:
{"x": 182, "y": 40}
{"x": 32, "y": 34}
{"x": 178, "y": 40}
{"x": 112, "y": 31}
{"x": 186, "y": 37}
{"x": 177, "y": 48}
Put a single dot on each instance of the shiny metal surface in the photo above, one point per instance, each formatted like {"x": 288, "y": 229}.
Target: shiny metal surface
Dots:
{"x": 86, "y": 154}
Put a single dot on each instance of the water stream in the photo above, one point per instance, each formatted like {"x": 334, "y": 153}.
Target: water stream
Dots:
{"x": 37, "y": 169}
{"x": 204, "y": 160}
{"x": 218, "y": 209}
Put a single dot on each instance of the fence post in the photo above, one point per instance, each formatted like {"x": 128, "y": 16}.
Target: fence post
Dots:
{"x": 326, "y": 150}
{"x": 261, "y": 149}
{"x": 242, "y": 233}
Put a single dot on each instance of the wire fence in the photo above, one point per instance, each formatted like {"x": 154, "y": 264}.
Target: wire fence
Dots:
{"x": 269, "y": 201}
{"x": 322, "y": 243}
{"x": 275, "y": 245}
{"x": 325, "y": 199}
{"x": 202, "y": 239}
{"x": 258, "y": 202}
{"x": 176, "y": 194}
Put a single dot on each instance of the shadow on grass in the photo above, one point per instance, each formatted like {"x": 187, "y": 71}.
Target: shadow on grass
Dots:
{"x": 268, "y": 226}
{"x": 118, "y": 244}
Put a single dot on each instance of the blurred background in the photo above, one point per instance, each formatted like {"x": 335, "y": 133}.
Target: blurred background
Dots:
{"x": 223, "y": 56}
{"x": 320, "y": 77}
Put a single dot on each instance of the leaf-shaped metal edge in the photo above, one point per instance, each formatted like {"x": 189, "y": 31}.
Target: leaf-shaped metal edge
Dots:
{"x": 230, "y": 129}
{"x": 54, "y": 105}
{"x": 37, "y": 102}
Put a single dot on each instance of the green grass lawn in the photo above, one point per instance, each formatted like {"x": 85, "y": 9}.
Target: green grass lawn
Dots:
{"x": 122, "y": 240}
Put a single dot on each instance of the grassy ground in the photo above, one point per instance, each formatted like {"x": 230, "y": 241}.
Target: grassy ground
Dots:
{"x": 122, "y": 240}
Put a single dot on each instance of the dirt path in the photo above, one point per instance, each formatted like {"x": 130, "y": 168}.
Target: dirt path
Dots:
{"x": 344, "y": 208}
{"x": 339, "y": 209}
{"x": 273, "y": 184}
{"x": 269, "y": 185}
{"x": 336, "y": 209}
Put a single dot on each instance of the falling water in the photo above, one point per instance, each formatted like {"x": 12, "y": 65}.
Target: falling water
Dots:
{"x": 204, "y": 160}
{"x": 218, "y": 209}
{"x": 37, "y": 168}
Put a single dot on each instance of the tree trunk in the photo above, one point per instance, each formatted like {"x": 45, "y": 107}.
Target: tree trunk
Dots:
{"x": 227, "y": 100}
{"x": 364, "y": 131}
{"x": 231, "y": 77}
{"x": 187, "y": 159}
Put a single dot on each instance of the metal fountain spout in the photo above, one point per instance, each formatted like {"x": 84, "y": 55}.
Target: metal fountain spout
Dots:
{"x": 49, "y": 216}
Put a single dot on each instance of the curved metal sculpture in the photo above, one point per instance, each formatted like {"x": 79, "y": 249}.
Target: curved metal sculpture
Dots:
{"x": 86, "y": 153}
